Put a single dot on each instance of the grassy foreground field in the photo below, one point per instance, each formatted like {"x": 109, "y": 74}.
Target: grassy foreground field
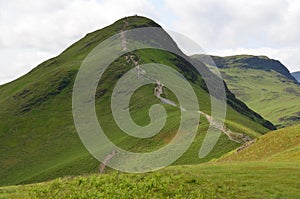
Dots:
{"x": 269, "y": 168}
{"x": 212, "y": 180}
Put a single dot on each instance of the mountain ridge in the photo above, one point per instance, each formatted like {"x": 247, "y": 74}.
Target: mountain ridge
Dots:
{"x": 252, "y": 61}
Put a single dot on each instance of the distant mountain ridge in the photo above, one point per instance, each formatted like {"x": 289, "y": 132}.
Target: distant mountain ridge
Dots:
{"x": 251, "y": 61}
{"x": 296, "y": 75}
{"x": 264, "y": 84}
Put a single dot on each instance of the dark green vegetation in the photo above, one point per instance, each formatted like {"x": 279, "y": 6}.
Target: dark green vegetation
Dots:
{"x": 264, "y": 84}
{"x": 296, "y": 75}
{"x": 38, "y": 140}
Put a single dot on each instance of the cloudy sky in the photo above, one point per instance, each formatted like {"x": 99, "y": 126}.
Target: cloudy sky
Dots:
{"x": 32, "y": 31}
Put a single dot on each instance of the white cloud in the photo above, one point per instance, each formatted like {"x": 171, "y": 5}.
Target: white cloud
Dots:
{"x": 33, "y": 31}
{"x": 228, "y": 23}
{"x": 287, "y": 31}
{"x": 254, "y": 27}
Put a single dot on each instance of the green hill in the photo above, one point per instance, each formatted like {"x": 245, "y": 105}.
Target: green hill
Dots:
{"x": 264, "y": 84}
{"x": 38, "y": 139}
{"x": 282, "y": 145}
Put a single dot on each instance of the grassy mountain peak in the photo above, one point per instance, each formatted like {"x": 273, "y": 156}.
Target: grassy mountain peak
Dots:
{"x": 38, "y": 139}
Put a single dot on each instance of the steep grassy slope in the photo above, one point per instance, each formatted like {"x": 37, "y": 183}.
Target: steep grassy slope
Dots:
{"x": 38, "y": 140}
{"x": 234, "y": 180}
{"x": 296, "y": 75}
{"x": 282, "y": 145}
{"x": 265, "y": 85}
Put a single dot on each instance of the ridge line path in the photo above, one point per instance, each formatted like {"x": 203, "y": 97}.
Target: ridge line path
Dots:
{"x": 158, "y": 90}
